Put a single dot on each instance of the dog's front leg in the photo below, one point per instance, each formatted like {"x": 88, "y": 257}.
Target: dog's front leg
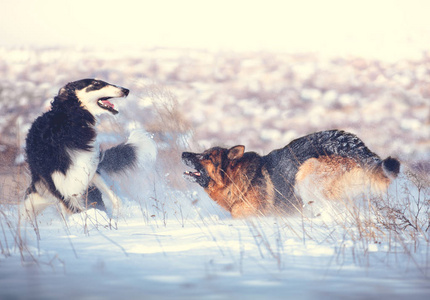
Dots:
{"x": 244, "y": 209}
{"x": 101, "y": 184}
{"x": 34, "y": 204}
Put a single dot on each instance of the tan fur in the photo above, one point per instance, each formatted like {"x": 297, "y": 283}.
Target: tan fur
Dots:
{"x": 235, "y": 193}
{"x": 336, "y": 178}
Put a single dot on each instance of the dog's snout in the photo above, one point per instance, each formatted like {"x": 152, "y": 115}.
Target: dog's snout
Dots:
{"x": 125, "y": 91}
{"x": 186, "y": 155}
{"x": 189, "y": 156}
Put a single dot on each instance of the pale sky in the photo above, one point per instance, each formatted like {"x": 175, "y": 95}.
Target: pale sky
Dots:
{"x": 367, "y": 26}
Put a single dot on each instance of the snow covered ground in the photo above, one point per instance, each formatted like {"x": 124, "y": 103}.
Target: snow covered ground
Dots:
{"x": 174, "y": 246}
{"x": 170, "y": 240}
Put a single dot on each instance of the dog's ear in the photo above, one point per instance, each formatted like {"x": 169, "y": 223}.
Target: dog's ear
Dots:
{"x": 63, "y": 94}
{"x": 236, "y": 152}
{"x": 62, "y": 91}
{"x": 68, "y": 89}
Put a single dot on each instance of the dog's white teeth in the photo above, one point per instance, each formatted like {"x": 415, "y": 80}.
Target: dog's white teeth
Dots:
{"x": 192, "y": 173}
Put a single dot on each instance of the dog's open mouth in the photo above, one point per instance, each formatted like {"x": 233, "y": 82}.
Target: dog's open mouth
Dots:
{"x": 192, "y": 176}
{"x": 200, "y": 175}
{"x": 106, "y": 104}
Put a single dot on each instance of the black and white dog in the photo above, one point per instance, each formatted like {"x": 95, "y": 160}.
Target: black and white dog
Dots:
{"x": 62, "y": 153}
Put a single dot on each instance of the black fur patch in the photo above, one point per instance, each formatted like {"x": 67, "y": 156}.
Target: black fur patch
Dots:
{"x": 96, "y": 85}
{"x": 391, "y": 165}
{"x": 118, "y": 158}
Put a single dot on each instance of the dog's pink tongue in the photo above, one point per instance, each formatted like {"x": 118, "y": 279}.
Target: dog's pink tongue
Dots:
{"x": 107, "y": 103}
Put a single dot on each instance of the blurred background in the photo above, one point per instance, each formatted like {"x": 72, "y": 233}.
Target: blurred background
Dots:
{"x": 205, "y": 73}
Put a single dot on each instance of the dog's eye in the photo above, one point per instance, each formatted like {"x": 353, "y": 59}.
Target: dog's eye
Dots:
{"x": 206, "y": 157}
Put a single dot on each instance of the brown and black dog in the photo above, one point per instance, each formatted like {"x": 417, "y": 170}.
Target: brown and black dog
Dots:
{"x": 325, "y": 165}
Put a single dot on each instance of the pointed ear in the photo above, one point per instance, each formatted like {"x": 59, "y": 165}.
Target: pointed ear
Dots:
{"x": 62, "y": 91}
{"x": 236, "y": 152}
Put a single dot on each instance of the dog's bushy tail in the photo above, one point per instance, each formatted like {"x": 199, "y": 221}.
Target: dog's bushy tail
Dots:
{"x": 139, "y": 151}
{"x": 391, "y": 167}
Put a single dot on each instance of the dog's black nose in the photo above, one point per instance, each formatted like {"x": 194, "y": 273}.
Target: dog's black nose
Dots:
{"x": 188, "y": 155}
{"x": 125, "y": 91}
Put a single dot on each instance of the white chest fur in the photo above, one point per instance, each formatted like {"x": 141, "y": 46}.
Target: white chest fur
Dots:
{"x": 74, "y": 183}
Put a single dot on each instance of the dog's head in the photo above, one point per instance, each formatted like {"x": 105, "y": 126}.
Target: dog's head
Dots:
{"x": 213, "y": 165}
{"x": 93, "y": 94}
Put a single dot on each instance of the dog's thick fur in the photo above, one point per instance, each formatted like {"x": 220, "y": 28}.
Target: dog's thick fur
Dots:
{"x": 325, "y": 165}
{"x": 62, "y": 152}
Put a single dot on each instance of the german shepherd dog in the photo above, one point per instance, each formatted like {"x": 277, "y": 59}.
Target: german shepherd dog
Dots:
{"x": 62, "y": 153}
{"x": 325, "y": 165}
